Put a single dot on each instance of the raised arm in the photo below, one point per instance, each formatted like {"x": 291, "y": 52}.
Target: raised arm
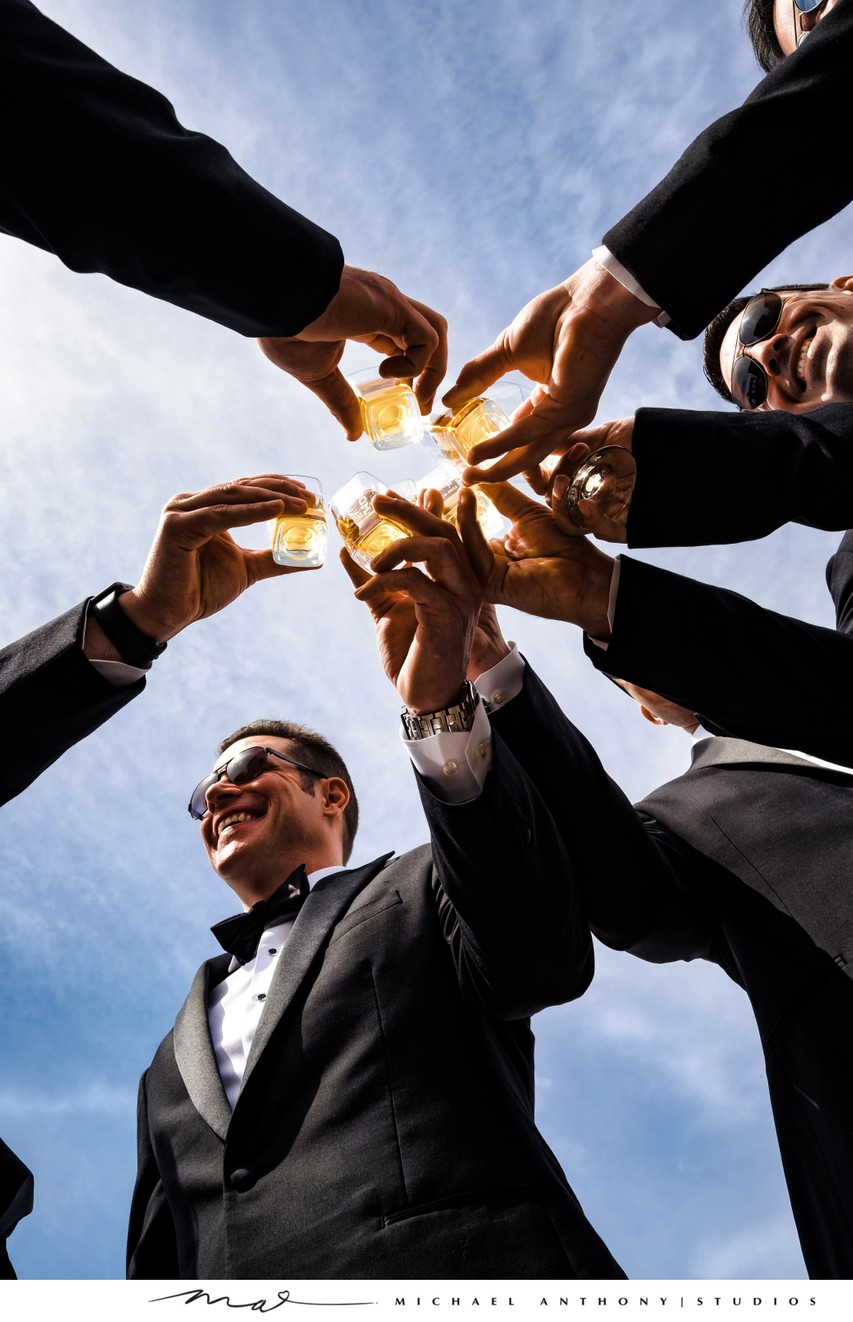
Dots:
{"x": 674, "y": 252}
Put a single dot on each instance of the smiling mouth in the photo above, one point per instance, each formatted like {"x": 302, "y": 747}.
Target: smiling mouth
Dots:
{"x": 802, "y": 359}
{"x": 233, "y": 819}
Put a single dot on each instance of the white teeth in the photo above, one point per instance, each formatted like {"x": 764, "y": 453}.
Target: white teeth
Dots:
{"x": 234, "y": 817}
{"x": 803, "y": 359}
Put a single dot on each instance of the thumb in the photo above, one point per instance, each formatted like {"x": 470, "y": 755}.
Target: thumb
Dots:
{"x": 479, "y": 373}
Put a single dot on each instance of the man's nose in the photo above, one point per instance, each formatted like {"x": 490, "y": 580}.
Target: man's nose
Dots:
{"x": 219, "y": 792}
{"x": 773, "y": 355}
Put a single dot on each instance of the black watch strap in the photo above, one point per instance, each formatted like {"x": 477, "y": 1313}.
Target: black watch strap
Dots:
{"x": 136, "y": 648}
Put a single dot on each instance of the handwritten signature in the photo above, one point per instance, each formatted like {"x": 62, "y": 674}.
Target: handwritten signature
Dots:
{"x": 259, "y": 1305}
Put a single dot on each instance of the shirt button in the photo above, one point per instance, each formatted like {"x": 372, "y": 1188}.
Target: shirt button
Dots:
{"x": 450, "y": 768}
{"x": 483, "y": 750}
{"x": 262, "y": 996}
{"x": 271, "y": 952}
{"x": 499, "y": 697}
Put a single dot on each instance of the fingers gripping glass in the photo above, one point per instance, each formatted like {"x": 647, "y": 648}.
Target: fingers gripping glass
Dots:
{"x": 759, "y": 321}
{"x": 239, "y": 770}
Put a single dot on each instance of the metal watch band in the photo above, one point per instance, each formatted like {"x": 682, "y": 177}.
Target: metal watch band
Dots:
{"x": 457, "y": 719}
{"x": 136, "y": 648}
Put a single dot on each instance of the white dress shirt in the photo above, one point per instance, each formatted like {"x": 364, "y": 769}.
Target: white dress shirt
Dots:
{"x": 236, "y": 1004}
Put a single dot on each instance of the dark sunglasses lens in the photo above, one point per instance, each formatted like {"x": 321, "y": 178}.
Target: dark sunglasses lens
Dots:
{"x": 198, "y": 802}
{"x": 239, "y": 770}
{"x": 749, "y": 384}
{"x": 760, "y": 318}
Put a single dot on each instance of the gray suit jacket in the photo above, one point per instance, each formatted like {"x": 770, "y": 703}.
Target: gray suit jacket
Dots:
{"x": 385, "y": 1123}
{"x": 779, "y": 823}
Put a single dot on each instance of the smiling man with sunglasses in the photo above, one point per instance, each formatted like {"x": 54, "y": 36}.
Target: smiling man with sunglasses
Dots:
{"x": 67, "y": 677}
{"x": 347, "y": 1092}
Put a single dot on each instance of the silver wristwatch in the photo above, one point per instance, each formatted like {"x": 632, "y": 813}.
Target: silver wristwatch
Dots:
{"x": 457, "y": 719}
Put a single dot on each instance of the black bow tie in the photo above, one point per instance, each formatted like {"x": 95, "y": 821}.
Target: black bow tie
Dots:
{"x": 239, "y": 936}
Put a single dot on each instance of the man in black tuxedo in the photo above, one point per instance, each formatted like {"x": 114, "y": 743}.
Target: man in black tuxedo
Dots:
{"x": 669, "y": 259}
{"x": 67, "y": 677}
{"x": 359, "y": 1104}
{"x": 745, "y": 860}
{"x": 97, "y": 169}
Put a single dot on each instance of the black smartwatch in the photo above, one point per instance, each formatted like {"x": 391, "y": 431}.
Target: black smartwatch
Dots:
{"x": 136, "y": 648}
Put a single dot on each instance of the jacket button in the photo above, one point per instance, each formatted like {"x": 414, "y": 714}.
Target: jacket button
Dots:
{"x": 243, "y": 1179}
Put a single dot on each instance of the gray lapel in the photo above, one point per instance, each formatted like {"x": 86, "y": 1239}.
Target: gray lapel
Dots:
{"x": 318, "y": 915}
{"x": 720, "y": 750}
{"x": 194, "y": 1052}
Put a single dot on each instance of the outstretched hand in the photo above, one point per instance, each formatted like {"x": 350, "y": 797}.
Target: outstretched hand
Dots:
{"x": 567, "y": 339}
{"x": 425, "y": 621}
{"x": 194, "y": 567}
{"x": 370, "y": 309}
{"x": 606, "y": 517}
{"x": 536, "y": 567}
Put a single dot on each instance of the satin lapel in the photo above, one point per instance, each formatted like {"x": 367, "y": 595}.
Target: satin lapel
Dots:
{"x": 194, "y": 1051}
{"x": 318, "y": 915}
{"x": 721, "y": 750}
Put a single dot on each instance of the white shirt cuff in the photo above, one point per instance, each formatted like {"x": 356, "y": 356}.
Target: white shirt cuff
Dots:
{"x": 119, "y": 673}
{"x": 614, "y": 267}
{"x": 503, "y": 682}
{"x": 455, "y": 766}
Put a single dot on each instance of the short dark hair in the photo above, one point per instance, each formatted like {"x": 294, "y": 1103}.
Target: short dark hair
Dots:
{"x": 758, "y": 20}
{"x": 319, "y": 753}
{"x": 716, "y": 333}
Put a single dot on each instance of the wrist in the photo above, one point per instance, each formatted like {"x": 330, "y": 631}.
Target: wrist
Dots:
{"x": 486, "y": 659}
{"x": 457, "y": 717}
{"x": 614, "y": 304}
{"x": 619, "y": 289}
{"x": 594, "y": 609}
{"x": 147, "y": 621}
{"x": 112, "y": 633}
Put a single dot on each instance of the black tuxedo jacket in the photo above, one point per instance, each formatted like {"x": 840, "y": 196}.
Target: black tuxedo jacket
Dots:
{"x": 51, "y": 697}
{"x": 728, "y": 477}
{"x": 685, "y": 242}
{"x": 16, "y": 1201}
{"x": 746, "y": 860}
{"x": 95, "y": 167}
{"x": 706, "y": 479}
{"x": 747, "y": 671}
{"x": 385, "y": 1123}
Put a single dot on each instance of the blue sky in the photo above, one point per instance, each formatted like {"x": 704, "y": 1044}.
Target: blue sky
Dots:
{"x": 474, "y": 153}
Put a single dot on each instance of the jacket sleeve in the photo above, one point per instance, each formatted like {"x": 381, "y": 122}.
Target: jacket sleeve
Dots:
{"x": 51, "y": 697}
{"x": 715, "y": 478}
{"x": 628, "y": 878}
{"x": 519, "y": 903}
{"x": 683, "y": 242}
{"x": 95, "y": 167}
{"x": 507, "y": 895}
{"x": 747, "y": 671}
{"x": 152, "y": 1251}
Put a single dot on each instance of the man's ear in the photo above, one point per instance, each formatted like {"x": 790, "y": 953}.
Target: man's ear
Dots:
{"x": 650, "y": 716}
{"x": 842, "y": 282}
{"x": 336, "y": 795}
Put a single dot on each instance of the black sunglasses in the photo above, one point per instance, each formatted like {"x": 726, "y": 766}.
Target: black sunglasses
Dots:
{"x": 239, "y": 770}
{"x": 805, "y": 7}
{"x": 749, "y": 379}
